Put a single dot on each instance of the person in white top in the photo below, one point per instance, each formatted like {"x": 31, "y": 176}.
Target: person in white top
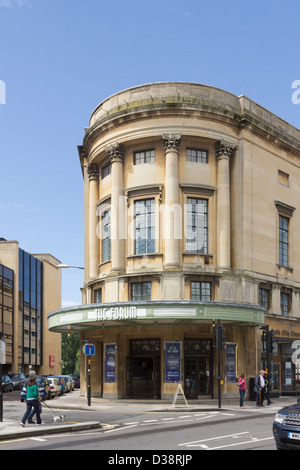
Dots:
{"x": 260, "y": 388}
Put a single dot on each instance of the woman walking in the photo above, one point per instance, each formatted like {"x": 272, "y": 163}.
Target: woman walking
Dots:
{"x": 32, "y": 400}
{"x": 242, "y": 389}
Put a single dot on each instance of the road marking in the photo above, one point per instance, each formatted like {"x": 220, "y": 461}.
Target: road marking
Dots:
{"x": 241, "y": 443}
{"x": 37, "y": 439}
{"x": 121, "y": 429}
{"x": 196, "y": 443}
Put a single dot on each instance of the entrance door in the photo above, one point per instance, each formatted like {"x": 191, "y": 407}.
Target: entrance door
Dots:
{"x": 143, "y": 377}
{"x": 143, "y": 369}
{"x": 198, "y": 378}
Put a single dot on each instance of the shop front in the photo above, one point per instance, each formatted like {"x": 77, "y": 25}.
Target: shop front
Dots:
{"x": 143, "y": 351}
{"x": 284, "y": 358}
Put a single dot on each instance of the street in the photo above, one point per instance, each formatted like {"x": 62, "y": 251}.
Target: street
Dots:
{"x": 177, "y": 433}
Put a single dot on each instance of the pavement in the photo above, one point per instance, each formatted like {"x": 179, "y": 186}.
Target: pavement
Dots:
{"x": 11, "y": 428}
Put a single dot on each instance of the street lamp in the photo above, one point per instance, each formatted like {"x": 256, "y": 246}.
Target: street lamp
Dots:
{"x": 68, "y": 266}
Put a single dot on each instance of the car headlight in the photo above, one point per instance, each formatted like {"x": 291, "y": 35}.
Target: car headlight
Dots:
{"x": 279, "y": 418}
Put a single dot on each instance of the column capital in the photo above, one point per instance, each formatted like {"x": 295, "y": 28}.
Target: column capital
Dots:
{"x": 225, "y": 149}
{"x": 171, "y": 142}
{"x": 93, "y": 171}
{"x": 116, "y": 152}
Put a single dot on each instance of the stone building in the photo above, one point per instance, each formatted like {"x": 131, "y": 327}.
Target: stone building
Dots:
{"x": 191, "y": 216}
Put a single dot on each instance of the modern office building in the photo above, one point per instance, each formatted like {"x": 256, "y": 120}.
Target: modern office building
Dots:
{"x": 191, "y": 216}
{"x": 30, "y": 288}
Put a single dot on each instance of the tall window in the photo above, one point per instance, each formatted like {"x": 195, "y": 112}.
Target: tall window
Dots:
{"x": 144, "y": 212}
{"x": 284, "y": 303}
{"x": 283, "y": 241}
{"x": 201, "y": 291}
{"x": 264, "y": 298}
{"x": 106, "y": 236}
{"x": 141, "y": 291}
{"x": 197, "y": 226}
{"x": 30, "y": 307}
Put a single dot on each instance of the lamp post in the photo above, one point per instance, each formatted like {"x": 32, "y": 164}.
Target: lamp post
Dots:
{"x": 62, "y": 266}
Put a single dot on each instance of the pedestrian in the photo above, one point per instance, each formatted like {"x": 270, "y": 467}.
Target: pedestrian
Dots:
{"x": 260, "y": 388}
{"x": 32, "y": 400}
{"x": 242, "y": 389}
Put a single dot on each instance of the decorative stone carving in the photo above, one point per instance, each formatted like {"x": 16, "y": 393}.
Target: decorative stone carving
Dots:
{"x": 116, "y": 152}
{"x": 171, "y": 142}
{"x": 224, "y": 148}
{"x": 93, "y": 171}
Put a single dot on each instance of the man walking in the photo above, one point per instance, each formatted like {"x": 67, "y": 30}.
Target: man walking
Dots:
{"x": 260, "y": 388}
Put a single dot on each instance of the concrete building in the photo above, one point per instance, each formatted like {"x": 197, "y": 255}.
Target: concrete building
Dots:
{"x": 30, "y": 287}
{"x": 191, "y": 216}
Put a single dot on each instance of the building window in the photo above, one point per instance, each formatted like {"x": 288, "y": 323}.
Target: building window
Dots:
{"x": 197, "y": 225}
{"x": 264, "y": 298}
{"x": 141, "y": 291}
{"x": 105, "y": 236}
{"x": 284, "y": 303}
{"x": 283, "y": 241}
{"x": 98, "y": 296}
{"x": 30, "y": 307}
{"x": 144, "y": 213}
{"x": 201, "y": 291}
{"x": 146, "y": 156}
{"x": 199, "y": 156}
{"x": 105, "y": 171}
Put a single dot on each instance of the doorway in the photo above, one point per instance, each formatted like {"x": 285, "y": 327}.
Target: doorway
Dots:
{"x": 143, "y": 370}
{"x": 197, "y": 369}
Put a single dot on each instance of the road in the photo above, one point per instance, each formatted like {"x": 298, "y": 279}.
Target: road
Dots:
{"x": 178, "y": 433}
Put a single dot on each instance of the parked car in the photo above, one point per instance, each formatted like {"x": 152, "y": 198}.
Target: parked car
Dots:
{"x": 18, "y": 381}
{"x": 7, "y": 384}
{"x": 55, "y": 387}
{"x": 76, "y": 379}
{"x": 69, "y": 382}
{"x": 286, "y": 427}
{"x": 44, "y": 389}
{"x": 61, "y": 383}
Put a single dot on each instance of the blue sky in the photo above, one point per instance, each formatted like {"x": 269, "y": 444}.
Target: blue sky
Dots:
{"x": 60, "y": 58}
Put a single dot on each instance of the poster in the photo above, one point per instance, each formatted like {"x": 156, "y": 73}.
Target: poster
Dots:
{"x": 172, "y": 361}
{"x": 230, "y": 362}
{"x": 110, "y": 363}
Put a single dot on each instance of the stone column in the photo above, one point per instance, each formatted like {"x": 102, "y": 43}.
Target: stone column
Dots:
{"x": 172, "y": 209}
{"x": 224, "y": 151}
{"x": 118, "y": 207}
{"x": 93, "y": 175}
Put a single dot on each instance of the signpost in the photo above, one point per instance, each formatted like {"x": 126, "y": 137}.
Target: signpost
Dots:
{"x": 89, "y": 350}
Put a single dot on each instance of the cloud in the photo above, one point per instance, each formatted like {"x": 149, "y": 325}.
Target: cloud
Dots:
{"x": 12, "y": 3}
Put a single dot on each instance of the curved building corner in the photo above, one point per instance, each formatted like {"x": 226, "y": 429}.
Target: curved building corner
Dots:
{"x": 190, "y": 218}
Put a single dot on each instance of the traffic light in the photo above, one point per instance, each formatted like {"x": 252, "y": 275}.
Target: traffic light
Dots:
{"x": 267, "y": 338}
{"x": 218, "y": 335}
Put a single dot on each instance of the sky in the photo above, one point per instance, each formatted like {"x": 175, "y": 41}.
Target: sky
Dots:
{"x": 60, "y": 58}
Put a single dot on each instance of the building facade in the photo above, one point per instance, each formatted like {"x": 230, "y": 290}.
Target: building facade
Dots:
{"x": 191, "y": 216}
{"x": 30, "y": 287}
